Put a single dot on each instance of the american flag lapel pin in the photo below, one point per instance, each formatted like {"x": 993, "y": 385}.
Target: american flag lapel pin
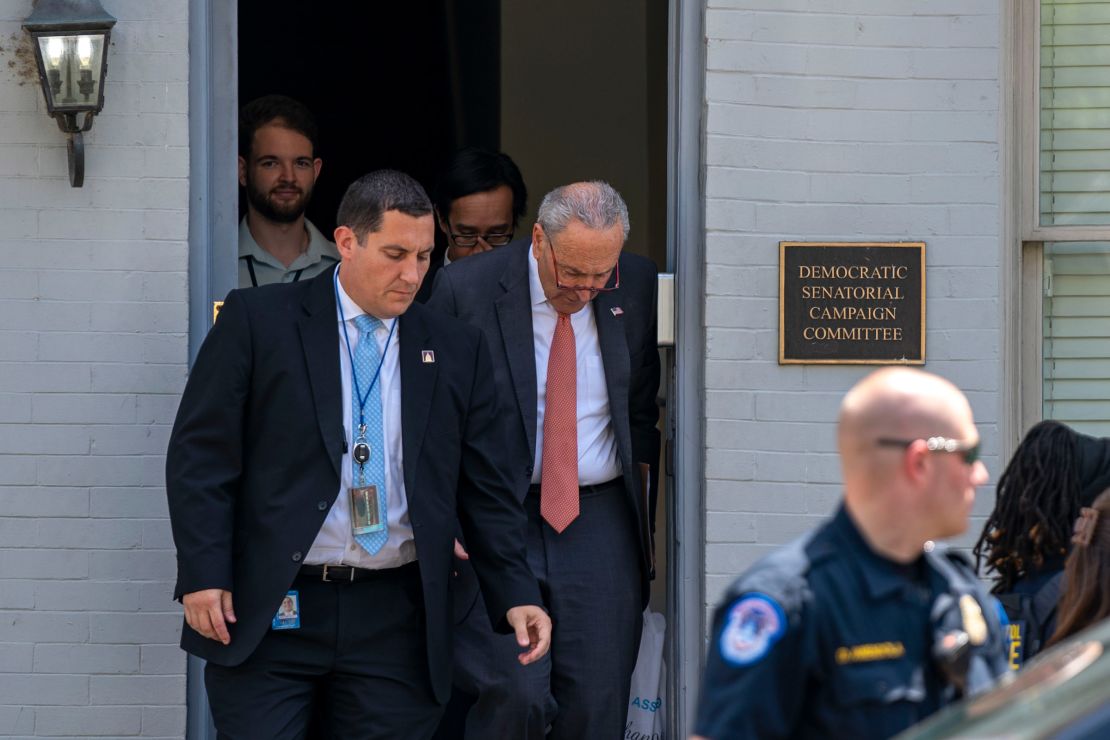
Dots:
{"x": 427, "y": 356}
{"x": 617, "y": 311}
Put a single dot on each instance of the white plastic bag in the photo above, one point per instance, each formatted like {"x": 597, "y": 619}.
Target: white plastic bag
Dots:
{"x": 647, "y": 699}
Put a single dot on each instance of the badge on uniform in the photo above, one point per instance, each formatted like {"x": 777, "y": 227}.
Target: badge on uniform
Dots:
{"x": 753, "y": 625}
{"x": 288, "y": 615}
{"x": 974, "y": 624}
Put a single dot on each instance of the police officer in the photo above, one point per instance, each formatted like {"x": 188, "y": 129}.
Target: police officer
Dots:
{"x": 865, "y": 626}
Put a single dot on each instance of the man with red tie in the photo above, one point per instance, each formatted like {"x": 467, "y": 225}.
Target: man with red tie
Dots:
{"x": 570, "y": 321}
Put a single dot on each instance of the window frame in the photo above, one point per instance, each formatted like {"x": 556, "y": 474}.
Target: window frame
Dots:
{"x": 1029, "y": 129}
{"x": 1023, "y": 265}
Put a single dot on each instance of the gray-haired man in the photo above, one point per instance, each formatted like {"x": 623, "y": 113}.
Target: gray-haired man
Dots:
{"x": 570, "y": 320}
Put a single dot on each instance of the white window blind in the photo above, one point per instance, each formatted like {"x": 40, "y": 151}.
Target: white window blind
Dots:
{"x": 1074, "y": 113}
{"x": 1077, "y": 335}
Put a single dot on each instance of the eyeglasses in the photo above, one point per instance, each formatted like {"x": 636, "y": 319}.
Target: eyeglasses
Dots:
{"x": 615, "y": 278}
{"x": 969, "y": 450}
{"x": 494, "y": 239}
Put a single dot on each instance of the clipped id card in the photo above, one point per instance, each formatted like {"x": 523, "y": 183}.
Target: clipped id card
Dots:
{"x": 366, "y": 516}
{"x": 288, "y": 615}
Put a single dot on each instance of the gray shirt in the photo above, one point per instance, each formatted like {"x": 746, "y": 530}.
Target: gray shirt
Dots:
{"x": 320, "y": 255}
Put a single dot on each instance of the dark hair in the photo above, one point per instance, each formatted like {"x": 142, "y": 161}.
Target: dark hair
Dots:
{"x": 286, "y": 112}
{"x": 475, "y": 170}
{"x": 370, "y": 196}
{"x": 1086, "y": 599}
{"x": 1038, "y": 499}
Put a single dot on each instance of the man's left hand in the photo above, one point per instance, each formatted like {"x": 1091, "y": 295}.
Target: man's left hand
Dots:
{"x": 533, "y": 631}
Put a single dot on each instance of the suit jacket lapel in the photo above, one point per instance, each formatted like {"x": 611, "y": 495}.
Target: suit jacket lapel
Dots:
{"x": 514, "y": 313}
{"x": 614, "y": 358}
{"x": 319, "y": 329}
{"x": 418, "y": 379}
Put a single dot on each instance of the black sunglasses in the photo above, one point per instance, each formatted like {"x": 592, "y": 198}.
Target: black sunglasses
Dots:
{"x": 968, "y": 450}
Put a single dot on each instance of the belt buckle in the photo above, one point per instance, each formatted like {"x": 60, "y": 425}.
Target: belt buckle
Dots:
{"x": 350, "y": 573}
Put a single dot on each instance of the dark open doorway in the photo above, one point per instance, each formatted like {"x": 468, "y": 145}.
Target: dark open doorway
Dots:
{"x": 571, "y": 90}
{"x": 399, "y": 85}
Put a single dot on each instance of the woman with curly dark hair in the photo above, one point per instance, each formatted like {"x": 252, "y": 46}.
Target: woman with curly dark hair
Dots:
{"x": 1086, "y": 598}
{"x": 1054, "y": 472}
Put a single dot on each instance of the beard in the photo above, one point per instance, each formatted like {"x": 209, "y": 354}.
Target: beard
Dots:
{"x": 270, "y": 209}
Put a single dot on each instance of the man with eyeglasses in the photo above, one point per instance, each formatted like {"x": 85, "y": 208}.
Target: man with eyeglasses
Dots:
{"x": 865, "y": 626}
{"x": 479, "y": 200}
{"x": 570, "y": 320}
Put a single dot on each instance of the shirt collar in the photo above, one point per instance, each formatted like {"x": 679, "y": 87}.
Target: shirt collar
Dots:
{"x": 319, "y": 246}
{"x": 882, "y": 575}
{"x": 351, "y": 310}
{"x": 535, "y": 287}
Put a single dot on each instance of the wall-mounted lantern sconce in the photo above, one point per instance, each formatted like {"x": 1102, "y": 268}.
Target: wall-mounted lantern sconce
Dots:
{"x": 71, "y": 47}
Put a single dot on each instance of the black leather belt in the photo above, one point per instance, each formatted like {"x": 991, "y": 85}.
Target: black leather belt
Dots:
{"x": 349, "y": 573}
{"x": 586, "y": 490}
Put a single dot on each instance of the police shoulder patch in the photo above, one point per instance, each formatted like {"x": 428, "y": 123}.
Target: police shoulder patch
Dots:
{"x": 753, "y": 624}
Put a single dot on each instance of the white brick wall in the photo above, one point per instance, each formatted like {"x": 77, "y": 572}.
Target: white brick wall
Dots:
{"x": 93, "y": 352}
{"x": 844, "y": 120}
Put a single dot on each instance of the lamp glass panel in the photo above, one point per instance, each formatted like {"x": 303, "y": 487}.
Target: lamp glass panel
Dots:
{"x": 74, "y": 64}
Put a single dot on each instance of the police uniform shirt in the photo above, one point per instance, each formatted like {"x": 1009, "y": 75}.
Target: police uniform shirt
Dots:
{"x": 825, "y": 638}
{"x": 320, "y": 255}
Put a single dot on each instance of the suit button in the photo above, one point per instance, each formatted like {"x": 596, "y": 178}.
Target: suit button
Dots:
{"x": 322, "y": 506}
{"x": 528, "y": 472}
{"x": 297, "y": 557}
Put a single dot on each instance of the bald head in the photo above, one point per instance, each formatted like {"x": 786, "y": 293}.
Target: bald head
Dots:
{"x": 902, "y": 493}
{"x": 595, "y": 204}
{"x": 900, "y": 403}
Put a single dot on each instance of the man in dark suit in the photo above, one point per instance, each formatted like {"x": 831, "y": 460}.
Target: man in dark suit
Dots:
{"x": 571, "y": 324}
{"x": 479, "y": 199}
{"x": 308, "y": 403}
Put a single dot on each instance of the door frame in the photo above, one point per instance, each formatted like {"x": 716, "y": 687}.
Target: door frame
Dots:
{"x": 685, "y": 423}
{"x": 213, "y": 218}
{"x": 213, "y": 252}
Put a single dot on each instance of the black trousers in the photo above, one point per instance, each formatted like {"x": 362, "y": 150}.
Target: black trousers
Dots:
{"x": 359, "y": 658}
{"x": 590, "y": 579}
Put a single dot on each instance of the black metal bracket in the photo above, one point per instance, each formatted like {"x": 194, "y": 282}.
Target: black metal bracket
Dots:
{"x": 75, "y": 146}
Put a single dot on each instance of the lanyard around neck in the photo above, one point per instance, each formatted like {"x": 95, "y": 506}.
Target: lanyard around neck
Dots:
{"x": 362, "y": 398}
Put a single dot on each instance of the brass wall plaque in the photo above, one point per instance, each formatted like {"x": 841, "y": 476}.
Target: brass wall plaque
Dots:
{"x": 860, "y": 303}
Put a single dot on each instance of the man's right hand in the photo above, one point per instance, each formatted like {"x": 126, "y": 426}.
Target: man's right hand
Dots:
{"x": 208, "y": 612}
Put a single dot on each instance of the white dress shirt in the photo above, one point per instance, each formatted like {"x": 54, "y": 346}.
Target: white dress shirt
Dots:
{"x": 334, "y": 544}
{"x": 597, "y": 445}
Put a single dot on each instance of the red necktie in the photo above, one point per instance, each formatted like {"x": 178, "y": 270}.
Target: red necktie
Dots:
{"x": 559, "y": 477}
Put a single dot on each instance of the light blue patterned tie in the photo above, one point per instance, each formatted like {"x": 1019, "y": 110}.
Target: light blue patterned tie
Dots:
{"x": 368, "y": 357}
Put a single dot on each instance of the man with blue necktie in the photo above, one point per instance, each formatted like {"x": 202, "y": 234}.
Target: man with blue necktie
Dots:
{"x": 330, "y": 438}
